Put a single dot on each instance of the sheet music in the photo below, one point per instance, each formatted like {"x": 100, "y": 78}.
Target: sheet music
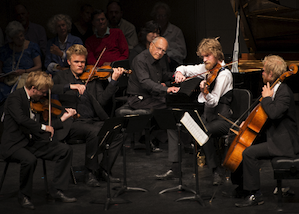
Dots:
{"x": 199, "y": 135}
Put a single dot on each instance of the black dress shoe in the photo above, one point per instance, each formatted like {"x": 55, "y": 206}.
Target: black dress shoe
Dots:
{"x": 91, "y": 180}
{"x": 104, "y": 177}
{"x": 251, "y": 200}
{"x": 26, "y": 203}
{"x": 59, "y": 196}
{"x": 169, "y": 175}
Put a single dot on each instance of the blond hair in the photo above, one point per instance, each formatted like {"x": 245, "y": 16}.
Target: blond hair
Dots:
{"x": 210, "y": 46}
{"x": 76, "y": 49}
{"x": 276, "y": 64}
{"x": 40, "y": 80}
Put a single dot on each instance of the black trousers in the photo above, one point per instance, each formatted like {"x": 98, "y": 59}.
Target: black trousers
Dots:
{"x": 54, "y": 151}
{"x": 247, "y": 174}
{"x": 88, "y": 130}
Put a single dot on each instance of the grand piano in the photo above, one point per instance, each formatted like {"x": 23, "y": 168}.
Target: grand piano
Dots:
{"x": 268, "y": 27}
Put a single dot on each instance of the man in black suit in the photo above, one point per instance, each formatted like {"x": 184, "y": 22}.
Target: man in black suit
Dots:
{"x": 280, "y": 128}
{"x": 25, "y": 139}
{"x": 88, "y": 101}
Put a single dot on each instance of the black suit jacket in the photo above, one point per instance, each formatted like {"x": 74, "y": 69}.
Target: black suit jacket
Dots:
{"x": 69, "y": 98}
{"x": 281, "y": 127}
{"x": 18, "y": 125}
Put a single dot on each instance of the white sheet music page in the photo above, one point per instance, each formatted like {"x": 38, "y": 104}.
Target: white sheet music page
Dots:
{"x": 199, "y": 135}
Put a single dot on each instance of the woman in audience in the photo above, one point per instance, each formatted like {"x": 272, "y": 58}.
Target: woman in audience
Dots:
{"x": 60, "y": 25}
{"x": 17, "y": 58}
{"x": 145, "y": 37}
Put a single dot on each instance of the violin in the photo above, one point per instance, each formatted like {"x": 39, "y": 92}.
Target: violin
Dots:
{"x": 102, "y": 73}
{"x": 212, "y": 74}
{"x": 43, "y": 106}
{"x": 250, "y": 128}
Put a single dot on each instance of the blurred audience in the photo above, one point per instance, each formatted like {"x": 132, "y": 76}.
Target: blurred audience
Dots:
{"x": 1, "y": 38}
{"x": 33, "y": 32}
{"x": 60, "y": 25}
{"x": 176, "y": 51}
{"x": 110, "y": 38}
{"x": 19, "y": 56}
{"x": 82, "y": 27}
{"x": 114, "y": 16}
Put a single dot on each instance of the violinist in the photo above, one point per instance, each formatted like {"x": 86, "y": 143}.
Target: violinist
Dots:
{"x": 280, "y": 129}
{"x": 25, "y": 139}
{"x": 216, "y": 93}
{"x": 89, "y": 100}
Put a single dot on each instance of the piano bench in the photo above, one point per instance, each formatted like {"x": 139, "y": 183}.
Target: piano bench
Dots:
{"x": 284, "y": 168}
{"x": 126, "y": 110}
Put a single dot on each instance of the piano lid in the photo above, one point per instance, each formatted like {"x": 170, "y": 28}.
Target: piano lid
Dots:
{"x": 269, "y": 27}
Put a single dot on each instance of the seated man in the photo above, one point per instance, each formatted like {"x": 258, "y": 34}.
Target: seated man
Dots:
{"x": 24, "y": 139}
{"x": 216, "y": 97}
{"x": 281, "y": 131}
{"x": 114, "y": 15}
{"x": 112, "y": 39}
{"x": 88, "y": 101}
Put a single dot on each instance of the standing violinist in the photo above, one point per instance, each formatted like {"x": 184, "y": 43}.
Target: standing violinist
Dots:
{"x": 216, "y": 95}
{"x": 280, "y": 129}
{"x": 88, "y": 99}
{"x": 25, "y": 139}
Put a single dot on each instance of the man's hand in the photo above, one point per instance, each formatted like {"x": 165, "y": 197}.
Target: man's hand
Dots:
{"x": 50, "y": 129}
{"x": 117, "y": 72}
{"x": 179, "y": 77}
{"x": 54, "y": 49}
{"x": 69, "y": 112}
{"x": 267, "y": 91}
{"x": 203, "y": 85}
{"x": 80, "y": 88}
{"x": 173, "y": 89}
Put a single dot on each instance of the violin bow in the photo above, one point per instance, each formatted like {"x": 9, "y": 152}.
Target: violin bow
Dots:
{"x": 95, "y": 65}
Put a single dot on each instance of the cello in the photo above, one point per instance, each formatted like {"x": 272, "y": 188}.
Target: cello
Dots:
{"x": 250, "y": 129}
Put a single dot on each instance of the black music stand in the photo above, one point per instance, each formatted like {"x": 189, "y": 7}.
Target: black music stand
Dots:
{"x": 134, "y": 123}
{"x": 111, "y": 127}
{"x": 170, "y": 119}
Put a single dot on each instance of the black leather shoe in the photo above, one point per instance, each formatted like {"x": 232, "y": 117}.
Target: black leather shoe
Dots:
{"x": 155, "y": 148}
{"x": 169, "y": 175}
{"x": 104, "y": 176}
{"x": 217, "y": 180}
{"x": 59, "y": 196}
{"x": 91, "y": 180}
{"x": 251, "y": 200}
{"x": 26, "y": 203}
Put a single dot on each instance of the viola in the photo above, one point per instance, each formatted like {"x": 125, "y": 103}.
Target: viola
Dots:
{"x": 102, "y": 73}
{"x": 250, "y": 128}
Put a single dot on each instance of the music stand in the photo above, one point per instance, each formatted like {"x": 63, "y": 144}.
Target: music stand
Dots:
{"x": 170, "y": 119}
{"x": 133, "y": 123}
{"x": 111, "y": 127}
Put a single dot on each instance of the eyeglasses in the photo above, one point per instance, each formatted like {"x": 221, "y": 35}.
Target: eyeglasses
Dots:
{"x": 160, "y": 49}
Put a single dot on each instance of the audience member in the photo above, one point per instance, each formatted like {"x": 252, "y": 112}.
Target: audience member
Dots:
{"x": 177, "y": 47}
{"x": 110, "y": 38}
{"x": 17, "y": 57}
{"x": 114, "y": 15}
{"x": 145, "y": 37}
{"x": 59, "y": 24}
{"x": 82, "y": 28}
{"x": 33, "y": 32}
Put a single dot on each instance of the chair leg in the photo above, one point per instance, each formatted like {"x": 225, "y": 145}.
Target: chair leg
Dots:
{"x": 3, "y": 175}
{"x": 45, "y": 177}
{"x": 73, "y": 175}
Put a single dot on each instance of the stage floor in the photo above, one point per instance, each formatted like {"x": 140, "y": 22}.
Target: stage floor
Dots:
{"x": 140, "y": 173}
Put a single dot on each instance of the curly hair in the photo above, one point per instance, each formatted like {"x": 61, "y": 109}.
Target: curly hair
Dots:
{"x": 59, "y": 17}
{"x": 210, "y": 45}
